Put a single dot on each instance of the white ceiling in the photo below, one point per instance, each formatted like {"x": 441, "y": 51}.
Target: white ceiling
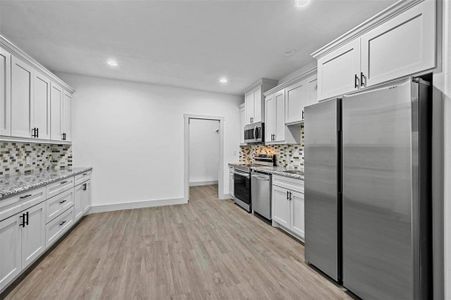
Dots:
{"x": 180, "y": 43}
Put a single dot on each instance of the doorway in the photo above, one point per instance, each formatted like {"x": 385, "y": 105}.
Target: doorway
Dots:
{"x": 204, "y": 155}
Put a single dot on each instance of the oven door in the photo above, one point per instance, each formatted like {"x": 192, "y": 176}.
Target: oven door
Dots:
{"x": 242, "y": 189}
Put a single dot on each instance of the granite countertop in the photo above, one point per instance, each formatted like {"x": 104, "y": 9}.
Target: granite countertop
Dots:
{"x": 11, "y": 185}
{"x": 282, "y": 171}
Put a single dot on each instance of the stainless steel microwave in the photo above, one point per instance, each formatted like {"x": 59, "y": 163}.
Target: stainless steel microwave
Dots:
{"x": 254, "y": 133}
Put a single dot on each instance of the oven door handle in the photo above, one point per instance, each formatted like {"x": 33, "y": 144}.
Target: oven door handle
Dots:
{"x": 241, "y": 174}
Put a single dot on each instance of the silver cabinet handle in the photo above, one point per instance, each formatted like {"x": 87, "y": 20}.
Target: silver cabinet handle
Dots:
{"x": 25, "y": 197}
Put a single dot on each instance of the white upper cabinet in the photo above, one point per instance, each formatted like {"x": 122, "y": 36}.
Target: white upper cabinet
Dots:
{"x": 270, "y": 118}
{"x": 280, "y": 116}
{"x": 249, "y": 105}
{"x": 295, "y": 94}
{"x": 56, "y": 100}
{"x": 40, "y": 115}
{"x": 400, "y": 41}
{"x": 66, "y": 117}
{"x": 254, "y": 100}
{"x": 5, "y": 92}
{"x": 21, "y": 98}
{"x": 242, "y": 123}
{"x": 338, "y": 71}
{"x": 402, "y": 46}
{"x": 298, "y": 96}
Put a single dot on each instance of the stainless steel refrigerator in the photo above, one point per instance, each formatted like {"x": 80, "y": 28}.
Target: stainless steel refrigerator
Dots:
{"x": 368, "y": 190}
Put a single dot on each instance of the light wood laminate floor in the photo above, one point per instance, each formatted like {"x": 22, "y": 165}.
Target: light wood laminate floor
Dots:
{"x": 207, "y": 249}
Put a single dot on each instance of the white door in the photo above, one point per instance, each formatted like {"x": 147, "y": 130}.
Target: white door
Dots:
{"x": 66, "y": 116}
{"x": 55, "y": 113}
{"x": 258, "y": 107}
{"x": 86, "y": 200}
{"x": 78, "y": 201}
{"x": 297, "y": 213}
{"x": 339, "y": 71}
{"x": 281, "y": 206}
{"x": 5, "y": 92}
{"x": 280, "y": 116}
{"x": 402, "y": 46}
{"x": 21, "y": 98}
{"x": 270, "y": 118}
{"x": 10, "y": 249}
{"x": 242, "y": 123}
{"x": 33, "y": 234}
{"x": 40, "y": 117}
{"x": 295, "y": 96}
{"x": 249, "y": 107}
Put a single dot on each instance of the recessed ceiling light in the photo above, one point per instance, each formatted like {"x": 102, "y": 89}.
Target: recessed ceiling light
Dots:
{"x": 223, "y": 80}
{"x": 112, "y": 62}
{"x": 301, "y": 3}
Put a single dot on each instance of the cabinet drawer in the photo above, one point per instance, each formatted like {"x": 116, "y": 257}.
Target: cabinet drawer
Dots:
{"x": 59, "y": 187}
{"x": 59, "y": 226}
{"x": 80, "y": 178}
{"x": 288, "y": 183}
{"x": 58, "y": 204}
{"x": 21, "y": 202}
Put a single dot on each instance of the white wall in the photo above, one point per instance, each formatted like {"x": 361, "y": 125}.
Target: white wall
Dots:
{"x": 132, "y": 134}
{"x": 204, "y": 151}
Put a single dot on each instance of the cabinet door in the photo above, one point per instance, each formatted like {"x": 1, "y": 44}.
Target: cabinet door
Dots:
{"x": 280, "y": 116}
{"x": 66, "y": 116}
{"x": 55, "y": 113}
{"x": 270, "y": 118}
{"x": 5, "y": 92}
{"x": 10, "y": 245}
{"x": 402, "y": 46}
{"x": 249, "y": 107}
{"x": 242, "y": 123}
{"x": 86, "y": 200}
{"x": 339, "y": 71}
{"x": 78, "y": 201}
{"x": 297, "y": 214}
{"x": 21, "y": 94}
{"x": 258, "y": 107}
{"x": 33, "y": 234}
{"x": 295, "y": 96}
{"x": 281, "y": 206}
{"x": 311, "y": 92}
{"x": 40, "y": 117}
{"x": 231, "y": 181}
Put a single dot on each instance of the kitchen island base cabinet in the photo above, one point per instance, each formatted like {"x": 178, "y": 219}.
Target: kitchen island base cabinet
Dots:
{"x": 288, "y": 205}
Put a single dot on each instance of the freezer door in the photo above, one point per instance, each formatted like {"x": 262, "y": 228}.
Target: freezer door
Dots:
{"x": 321, "y": 187}
{"x": 377, "y": 193}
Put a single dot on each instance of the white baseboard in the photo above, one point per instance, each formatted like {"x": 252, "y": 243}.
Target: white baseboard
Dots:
{"x": 202, "y": 183}
{"x": 135, "y": 204}
{"x": 226, "y": 197}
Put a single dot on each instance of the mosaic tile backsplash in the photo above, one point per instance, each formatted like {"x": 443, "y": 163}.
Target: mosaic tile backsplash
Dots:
{"x": 288, "y": 156}
{"x": 21, "y": 158}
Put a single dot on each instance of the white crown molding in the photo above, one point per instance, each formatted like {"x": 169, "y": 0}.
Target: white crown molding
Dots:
{"x": 388, "y": 13}
{"x": 304, "y": 74}
{"x": 16, "y": 51}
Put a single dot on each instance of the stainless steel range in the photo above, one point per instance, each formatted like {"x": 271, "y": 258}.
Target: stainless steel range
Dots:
{"x": 242, "y": 180}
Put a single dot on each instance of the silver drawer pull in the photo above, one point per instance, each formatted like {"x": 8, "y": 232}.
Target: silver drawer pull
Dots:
{"x": 26, "y": 196}
{"x": 63, "y": 182}
{"x": 61, "y": 202}
{"x": 62, "y": 223}
{"x": 84, "y": 174}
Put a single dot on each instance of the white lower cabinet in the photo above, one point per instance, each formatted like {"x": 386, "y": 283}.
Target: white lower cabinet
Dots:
{"x": 82, "y": 199}
{"x": 33, "y": 234}
{"x": 231, "y": 183}
{"x": 10, "y": 249}
{"x": 33, "y": 221}
{"x": 288, "y": 205}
